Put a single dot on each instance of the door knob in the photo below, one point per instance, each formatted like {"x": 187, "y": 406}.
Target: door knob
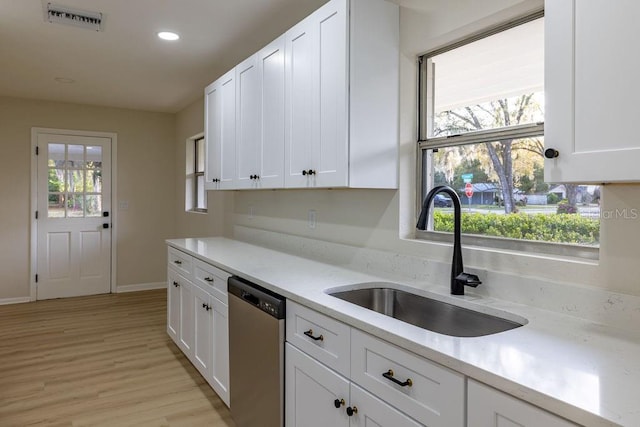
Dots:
{"x": 551, "y": 153}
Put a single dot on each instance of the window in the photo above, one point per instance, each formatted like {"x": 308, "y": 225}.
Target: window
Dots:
{"x": 481, "y": 131}
{"x": 195, "y": 193}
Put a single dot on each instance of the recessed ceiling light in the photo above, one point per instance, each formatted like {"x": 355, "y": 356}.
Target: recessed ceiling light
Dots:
{"x": 64, "y": 80}
{"x": 167, "y": 35}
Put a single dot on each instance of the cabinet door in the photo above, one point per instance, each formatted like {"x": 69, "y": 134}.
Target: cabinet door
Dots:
{"x": 311, "y": 391}
{"x": 220, "y": 361}
{"x": 248, "y": 122}
{"x": 186, "y": 318}
{"x": 272, "y": 76}
{"x": 330, "y": 150}
{"x": 487, "y": 407}
{"x": 316, "y": 99}
{"x": 300, "y": 98}
{"x": 591, "y": 88}
{"x": 203, "y": 337}
{"x": 173, "y": 305}
{"x": 212, "y": 134}
{"x": 374, "y": 412}
{"x": 220, "y": 132}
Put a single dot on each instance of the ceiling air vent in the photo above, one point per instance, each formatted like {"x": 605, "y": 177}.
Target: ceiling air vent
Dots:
{"x": 78, "y": 18}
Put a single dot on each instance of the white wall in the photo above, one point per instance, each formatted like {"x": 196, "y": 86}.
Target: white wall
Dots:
{"x": 386, "y": 219}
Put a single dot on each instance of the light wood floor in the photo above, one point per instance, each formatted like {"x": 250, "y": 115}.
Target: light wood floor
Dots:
{"x": 99, "y": 361}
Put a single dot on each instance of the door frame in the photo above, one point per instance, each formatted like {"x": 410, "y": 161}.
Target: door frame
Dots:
{"x": 33, "y": 265}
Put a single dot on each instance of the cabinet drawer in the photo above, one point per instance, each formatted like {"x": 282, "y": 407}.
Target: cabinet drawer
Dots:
{"x": 323, "y": 338}
{"x": 181, "y": 261}
{"x": 211, "y": 278}
{"x": 435, "y": 395}
{"x": 491, "y": 408}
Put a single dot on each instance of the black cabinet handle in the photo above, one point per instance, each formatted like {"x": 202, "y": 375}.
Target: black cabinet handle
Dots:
{"x": 309, "y": 333}
{"x": 215, "y": 180}
{"x": 389, "y": 375}
{"x": 105, "y": 225}
{"x": 254, "y": 177}
{"x": 208, "y": 279}
{"x": 206, "y": 306}
{"x": 178, "y": 262}
{"x": 311, "y": 172}
{"x": 338, "y": 403}
{"x": 551, "y": 153}
{"x": 352, "y": 410}
{"x": 304, "y": 172}
{"x": 176, "y": 284}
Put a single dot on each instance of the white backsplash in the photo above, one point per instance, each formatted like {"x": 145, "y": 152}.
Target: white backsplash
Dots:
{"x": 592, "y": 304}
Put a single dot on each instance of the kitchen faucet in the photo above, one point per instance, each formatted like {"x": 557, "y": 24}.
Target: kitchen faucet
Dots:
{"x": 459, "y": 279}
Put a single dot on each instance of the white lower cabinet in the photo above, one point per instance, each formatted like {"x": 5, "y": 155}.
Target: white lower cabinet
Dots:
{"x": 197, "y": 320}
{"x": 488, "y": 407}
{"x": 317, "y": 396}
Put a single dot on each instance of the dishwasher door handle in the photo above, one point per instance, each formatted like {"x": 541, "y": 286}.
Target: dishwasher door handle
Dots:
{"x": 250, "y": 298}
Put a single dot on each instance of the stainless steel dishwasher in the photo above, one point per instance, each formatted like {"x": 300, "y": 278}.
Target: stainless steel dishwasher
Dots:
{"x": 256, "y": 354}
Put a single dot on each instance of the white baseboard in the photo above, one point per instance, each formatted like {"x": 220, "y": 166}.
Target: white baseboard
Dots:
{"x": 141, "y": 287}
{"x": 6, "y": 301}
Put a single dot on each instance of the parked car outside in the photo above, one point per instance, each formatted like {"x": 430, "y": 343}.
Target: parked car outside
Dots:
{"x": 442, "y": 201}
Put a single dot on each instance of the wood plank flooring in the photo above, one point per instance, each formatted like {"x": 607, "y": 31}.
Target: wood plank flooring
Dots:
{"x": 99, "y": 361}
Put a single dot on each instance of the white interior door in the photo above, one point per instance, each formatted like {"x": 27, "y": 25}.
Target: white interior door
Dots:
{"x": 74, "y": 223}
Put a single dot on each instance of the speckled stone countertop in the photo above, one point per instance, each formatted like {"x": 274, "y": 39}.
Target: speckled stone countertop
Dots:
{"x": 583, "y": 371}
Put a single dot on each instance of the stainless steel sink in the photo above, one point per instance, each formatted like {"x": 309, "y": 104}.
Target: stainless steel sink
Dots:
{"x": 427, "y": 313}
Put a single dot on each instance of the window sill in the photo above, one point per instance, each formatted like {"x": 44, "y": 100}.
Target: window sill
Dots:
{"x": 197, "y": 211}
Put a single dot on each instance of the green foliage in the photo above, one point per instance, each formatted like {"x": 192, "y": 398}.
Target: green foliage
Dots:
{"x": 560, "y": 228}
{"x": 564, "y": 207}
{"x": 552, "y": 198}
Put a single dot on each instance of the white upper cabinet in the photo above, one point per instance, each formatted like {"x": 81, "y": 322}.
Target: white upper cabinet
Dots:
{"x": 591, "y": 88}
{"x": 248, "y": 122}
{"x": 220, "y": 132}
{"x": 318, "y": 107}
{"x": 271, "y": 73}
{"x": 342, "y": 96}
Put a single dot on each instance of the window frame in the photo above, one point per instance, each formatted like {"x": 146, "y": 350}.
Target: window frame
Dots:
{"x": 424, "y": 121}
{"x": 192, "y": 174}
{"x": 197, "y": 173}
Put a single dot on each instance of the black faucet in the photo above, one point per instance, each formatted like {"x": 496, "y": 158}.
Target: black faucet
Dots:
{"x": 459, "y": 279}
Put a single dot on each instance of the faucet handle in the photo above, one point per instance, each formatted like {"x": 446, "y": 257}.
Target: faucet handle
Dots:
{"x": 468, "y": 279}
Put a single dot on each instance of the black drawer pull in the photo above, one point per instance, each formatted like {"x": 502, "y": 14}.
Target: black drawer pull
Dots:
{"x": 338, "y": 403}
{"x": 178, "y": 262}
{"x": 309, "y": 333}
{"x": 351, "y": 411}
{"x": 208, "y": 279}
{"x": 176, "y": 284}
{"x": 389, "y": 375}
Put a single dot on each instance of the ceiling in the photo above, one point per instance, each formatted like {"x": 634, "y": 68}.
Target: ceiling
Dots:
{"x": 126, "y": 65}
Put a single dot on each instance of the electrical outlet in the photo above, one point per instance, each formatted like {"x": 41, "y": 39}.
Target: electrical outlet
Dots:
{"x": 312, "y": 217}
{"x": 123, "y": 205}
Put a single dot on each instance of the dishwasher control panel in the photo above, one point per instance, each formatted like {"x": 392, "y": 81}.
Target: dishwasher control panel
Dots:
{"x": 262, "y": 298}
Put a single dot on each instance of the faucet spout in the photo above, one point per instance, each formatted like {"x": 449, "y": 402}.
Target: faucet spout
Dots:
{"x": 459, "y": 279}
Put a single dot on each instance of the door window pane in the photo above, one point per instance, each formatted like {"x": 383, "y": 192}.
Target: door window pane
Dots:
{"x": 93, "y": 204}
{"x": 76, "y": 181}
{"x": 56, "y": 206}
{"x": 93, "y": 181}
{"x": 75, "y": 156}
{"x": 56, "y": 155}
{"x": 75, "y": 206}
{"x": 94, "y": 157}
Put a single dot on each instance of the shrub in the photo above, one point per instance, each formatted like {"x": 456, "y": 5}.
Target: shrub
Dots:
{"x": 565, "y": 208}
{"x": 552, "y": 198}
{"x": 560, "y": 228}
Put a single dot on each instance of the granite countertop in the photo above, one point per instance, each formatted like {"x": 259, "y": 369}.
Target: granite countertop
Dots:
{"x": 585, "y": 372}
